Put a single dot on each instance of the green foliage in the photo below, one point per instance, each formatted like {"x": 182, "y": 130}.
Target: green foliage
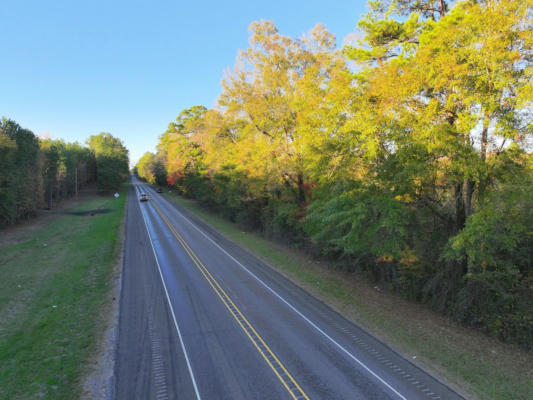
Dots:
{"x": 64, "y": 165}
{"x": 40, "y": 172}
{"x": 8, "y": 197}
{"x": 144, "y": 167}
{"x": 159, "y": 171}
{"x": 364, "y": 223}
{"x": 198, "y": 186}
{"x": 151, "y": 168}
{"x": 23, "y": 186}
{"x": 497, "y": 246}
{"x": 229, "y": 194}
{"x": 112, "y": 162}
{"x": 283, "y": 220}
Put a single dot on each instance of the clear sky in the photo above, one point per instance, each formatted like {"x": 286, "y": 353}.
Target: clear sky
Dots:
{"x": 73, "y": 68}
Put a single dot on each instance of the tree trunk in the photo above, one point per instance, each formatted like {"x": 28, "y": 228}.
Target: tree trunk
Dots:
{"x": 460, "y": 219}
{"x": 442, "y": 7}
{"x": 464, "y": 193}
{"x": 484, "y": 140}
{"x": 483, "y": 151}
{"x": 470, "y": 187}
{"x": 301, "y": 190}
{"x": 460, "y": 212}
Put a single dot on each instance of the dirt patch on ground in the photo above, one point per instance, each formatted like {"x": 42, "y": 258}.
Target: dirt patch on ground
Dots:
{"x": 15, "y": 234}
{"x": 89, "y": 212}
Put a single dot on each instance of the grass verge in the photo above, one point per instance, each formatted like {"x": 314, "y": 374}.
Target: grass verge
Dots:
{"x": 55, "y": 282}
{"x": 474, "y": 364}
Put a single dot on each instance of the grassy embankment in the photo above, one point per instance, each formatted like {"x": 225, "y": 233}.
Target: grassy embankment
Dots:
{"x": 478, "y": 366}
{"x": 55, "y": 282}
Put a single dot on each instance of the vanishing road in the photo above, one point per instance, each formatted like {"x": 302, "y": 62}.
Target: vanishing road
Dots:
{"x": 200, "y": 318}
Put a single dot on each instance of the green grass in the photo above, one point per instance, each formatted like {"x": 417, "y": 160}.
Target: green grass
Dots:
{"x": 54, "y": 284}
{"x": 478, "y": 366}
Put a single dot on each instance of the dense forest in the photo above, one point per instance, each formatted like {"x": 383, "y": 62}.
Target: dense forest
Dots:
{"x": 37, "y": 173}
{"x": 404, "y": 157}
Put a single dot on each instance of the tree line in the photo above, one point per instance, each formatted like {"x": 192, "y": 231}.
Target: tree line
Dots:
{"x": 37, "y": 173}
{"x": 404, "y": 157}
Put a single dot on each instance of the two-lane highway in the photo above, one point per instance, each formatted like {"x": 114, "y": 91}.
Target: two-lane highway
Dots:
{"x": 202, "y": 318}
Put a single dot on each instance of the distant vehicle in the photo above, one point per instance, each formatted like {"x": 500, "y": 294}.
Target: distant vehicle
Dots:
{"x": 143, "y": 197}
{"x": 159, "y": 190}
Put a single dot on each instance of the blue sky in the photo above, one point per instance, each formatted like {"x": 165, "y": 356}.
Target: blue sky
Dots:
{"x": 70, "y": 69}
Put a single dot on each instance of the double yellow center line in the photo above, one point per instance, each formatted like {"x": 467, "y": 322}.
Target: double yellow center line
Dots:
{"x": 268, "y": 355}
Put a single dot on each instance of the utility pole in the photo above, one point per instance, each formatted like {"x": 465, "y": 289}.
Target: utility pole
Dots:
{"x": 76, "y": 183}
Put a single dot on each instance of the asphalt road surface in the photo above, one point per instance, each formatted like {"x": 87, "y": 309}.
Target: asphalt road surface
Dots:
{"x": 201, "y": 318}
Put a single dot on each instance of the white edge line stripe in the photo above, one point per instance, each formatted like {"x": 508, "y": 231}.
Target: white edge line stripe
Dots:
{"x": 170, "y": 306}
{"x": 295, "y": 310}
